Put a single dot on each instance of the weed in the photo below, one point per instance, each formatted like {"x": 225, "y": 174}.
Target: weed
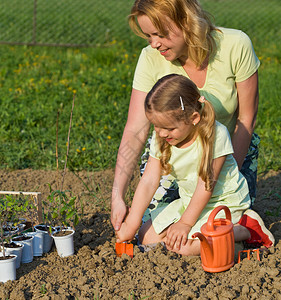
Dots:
{"x": 43, "y": 289}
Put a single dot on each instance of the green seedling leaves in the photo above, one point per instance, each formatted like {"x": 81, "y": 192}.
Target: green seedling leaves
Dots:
{"x": 11, "y": 209}
{"x": 60, "y": 209}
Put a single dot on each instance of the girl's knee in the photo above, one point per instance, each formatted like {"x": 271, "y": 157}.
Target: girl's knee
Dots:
{"x": 241, "y": 233}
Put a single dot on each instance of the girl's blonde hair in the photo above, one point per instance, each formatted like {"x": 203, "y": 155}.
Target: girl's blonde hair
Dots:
{"x": 165, "y": 97}
{"x": 188, "y": 15}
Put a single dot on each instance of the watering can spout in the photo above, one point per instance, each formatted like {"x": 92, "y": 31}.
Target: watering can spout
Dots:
{"x": 205, "y": 246}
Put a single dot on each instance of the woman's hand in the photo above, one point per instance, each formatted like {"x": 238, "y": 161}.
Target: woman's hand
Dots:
{"x": 118, "y": 212}
{"x": 177, "y": 235}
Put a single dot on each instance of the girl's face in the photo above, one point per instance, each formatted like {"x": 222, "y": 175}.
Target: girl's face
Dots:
{"x": 176, "y": 133}
{"x": 172, "y": 46}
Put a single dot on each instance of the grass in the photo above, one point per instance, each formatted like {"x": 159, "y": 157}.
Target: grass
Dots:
{"x": 37, "y": 82}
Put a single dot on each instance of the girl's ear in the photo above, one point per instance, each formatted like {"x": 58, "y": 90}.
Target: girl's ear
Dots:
{"x": 195, "y": 118}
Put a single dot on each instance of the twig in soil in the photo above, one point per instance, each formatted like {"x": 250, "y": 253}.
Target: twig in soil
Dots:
{"x": 68, "y": 139}
{"x": 57, "y": 142}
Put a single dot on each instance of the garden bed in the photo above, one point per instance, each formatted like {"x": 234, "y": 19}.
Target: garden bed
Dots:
{"x": 94, "y": 272}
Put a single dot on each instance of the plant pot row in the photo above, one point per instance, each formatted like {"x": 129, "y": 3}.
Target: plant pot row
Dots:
{"x": 24, "y": 247}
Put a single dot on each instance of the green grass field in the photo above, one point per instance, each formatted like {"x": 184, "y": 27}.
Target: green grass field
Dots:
{"x": 37, "y": 82}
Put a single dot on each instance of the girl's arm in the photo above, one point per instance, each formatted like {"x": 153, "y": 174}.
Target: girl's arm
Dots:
{"x": 177, "y": 233}
{"x": 133, "y": 139}
{"x": 145, "y": 190}
{"x": 248, "y": 98}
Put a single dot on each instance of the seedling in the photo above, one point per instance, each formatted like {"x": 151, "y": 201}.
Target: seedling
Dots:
{"x": 8, "y": 219}
{"x": 61, "y": 210}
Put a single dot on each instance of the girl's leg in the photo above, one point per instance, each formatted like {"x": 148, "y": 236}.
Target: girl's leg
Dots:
{"x": 241, "y": 233}
{"x": 192, "y": 248}
{"x": 147, "y": 235}
{"x": 259, "y": 234}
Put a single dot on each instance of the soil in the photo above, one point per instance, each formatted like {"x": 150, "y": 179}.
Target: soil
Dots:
{"x": 95, "y": 272}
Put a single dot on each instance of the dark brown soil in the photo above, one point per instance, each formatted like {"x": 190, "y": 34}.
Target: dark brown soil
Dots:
{"x": 94, "y": 271}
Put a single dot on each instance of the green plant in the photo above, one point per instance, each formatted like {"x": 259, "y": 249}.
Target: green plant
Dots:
{"x": 11, "y": 210}
{"x": 8, "y": 219}
{"x": 61, "y": 209}
{"x": 43, "y": 289}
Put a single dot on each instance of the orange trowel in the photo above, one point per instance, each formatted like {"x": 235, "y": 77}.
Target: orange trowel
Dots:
{"x": 124, "y": 247}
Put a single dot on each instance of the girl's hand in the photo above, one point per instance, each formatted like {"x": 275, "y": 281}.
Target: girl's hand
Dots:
{"x": 125, "y": 233}
{"x": 177, "y": 235}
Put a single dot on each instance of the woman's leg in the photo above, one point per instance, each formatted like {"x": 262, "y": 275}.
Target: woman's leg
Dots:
{"x": 249, "y": 167}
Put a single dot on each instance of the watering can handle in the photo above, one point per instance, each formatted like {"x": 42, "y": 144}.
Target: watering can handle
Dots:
{"x": 210, "y": 222}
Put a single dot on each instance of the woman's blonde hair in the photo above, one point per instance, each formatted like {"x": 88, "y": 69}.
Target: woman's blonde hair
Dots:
{"x": 165, "y": 97}
{"x": 188, "y": 15}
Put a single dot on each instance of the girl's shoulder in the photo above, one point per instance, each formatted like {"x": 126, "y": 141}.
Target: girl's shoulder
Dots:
{"x": 221, "y": 131}
{"x": 223, "y": 144}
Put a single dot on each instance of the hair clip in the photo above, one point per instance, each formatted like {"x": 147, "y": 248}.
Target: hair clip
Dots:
{"x": 182, "y": 106}
{"x": 202, "y": 99}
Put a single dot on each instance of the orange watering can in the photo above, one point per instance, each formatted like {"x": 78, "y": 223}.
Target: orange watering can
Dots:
{"x": 217, "y": 242}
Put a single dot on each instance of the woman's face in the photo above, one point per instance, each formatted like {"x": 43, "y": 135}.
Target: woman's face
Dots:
{"x": 172, "y": 46}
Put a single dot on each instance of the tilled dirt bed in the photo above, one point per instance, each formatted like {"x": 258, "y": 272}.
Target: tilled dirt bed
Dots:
{"x": 94, "y": 271}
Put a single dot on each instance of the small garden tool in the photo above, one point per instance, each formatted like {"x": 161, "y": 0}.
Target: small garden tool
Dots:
{"x": 248, "y": 252}
{"x": 124, "y": 247}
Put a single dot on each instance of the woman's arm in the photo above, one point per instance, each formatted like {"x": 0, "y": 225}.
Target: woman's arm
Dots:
{"x": 248, "y": 98}
{"x": 133, "y": 140}
{"x": 178, "y": 232}
{"x": 146, "y": 189}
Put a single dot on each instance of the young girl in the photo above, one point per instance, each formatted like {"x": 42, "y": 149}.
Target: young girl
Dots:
{"x": 190, "y": 145}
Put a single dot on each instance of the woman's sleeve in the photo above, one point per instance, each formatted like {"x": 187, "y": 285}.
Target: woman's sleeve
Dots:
{"x": 154, "y": 148}
{"x": 143, "y": 77}
{"x": 246, "y": 62}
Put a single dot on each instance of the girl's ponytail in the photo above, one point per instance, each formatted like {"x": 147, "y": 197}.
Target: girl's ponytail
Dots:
{"x": 206, "y": 130}
{"x": 165, "y": 149}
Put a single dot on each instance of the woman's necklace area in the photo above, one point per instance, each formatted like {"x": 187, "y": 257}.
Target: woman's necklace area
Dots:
{"x": 197, "y": 75}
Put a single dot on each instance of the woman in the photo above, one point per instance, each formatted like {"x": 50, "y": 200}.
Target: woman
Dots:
{"x": 220, "y": 61}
